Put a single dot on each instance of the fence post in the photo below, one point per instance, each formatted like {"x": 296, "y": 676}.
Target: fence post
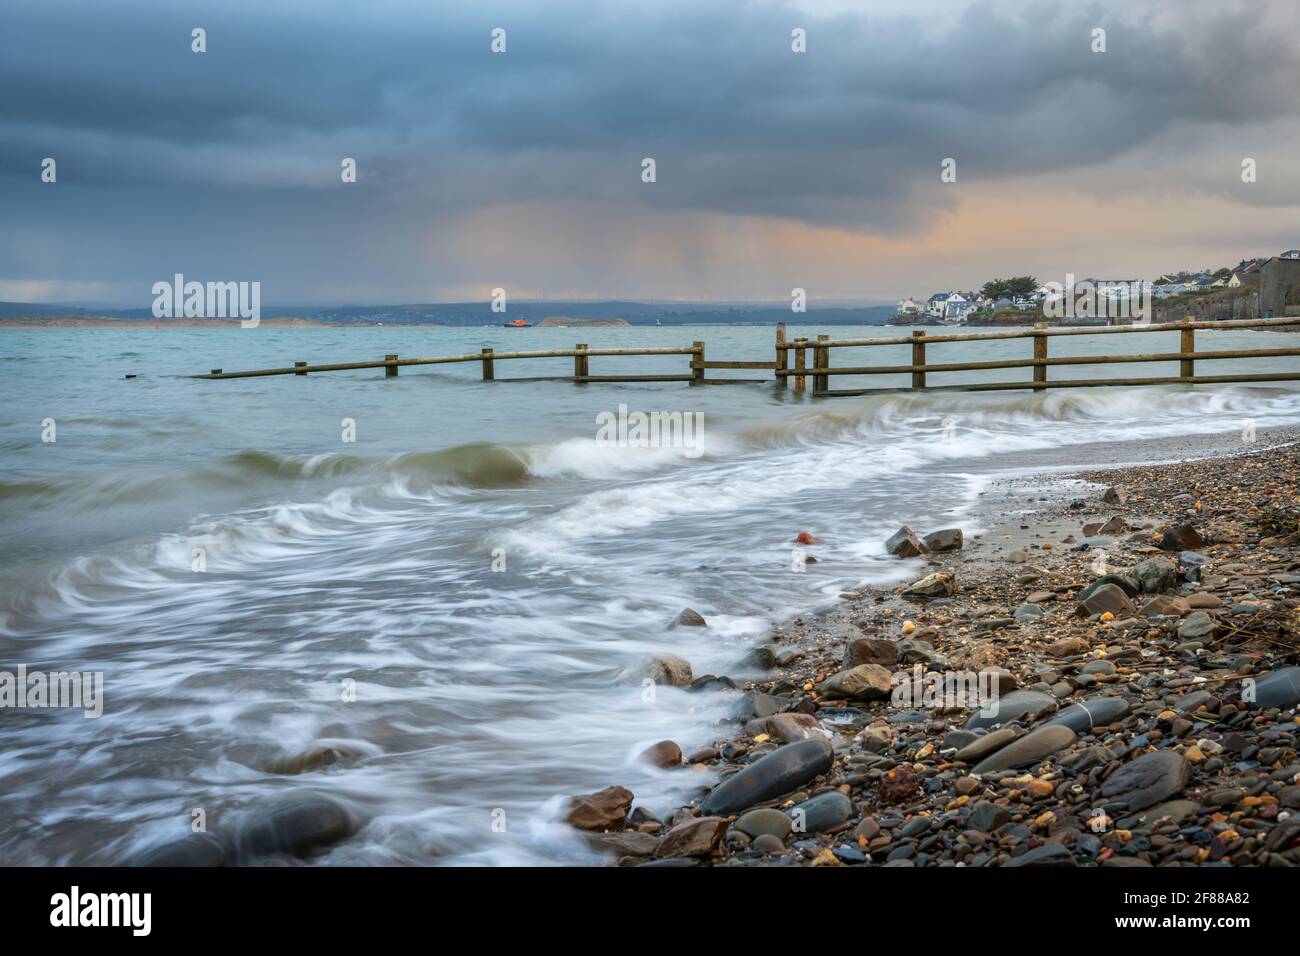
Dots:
{"x": 782, "y": 357}
{"x": 821, "y": 360}
{"x": 697, "y": 364}
{"x": 1040, "y": 355}
{"x": 390, "y": 371}
{"x": 918, "y": 358}
{"x": 799, "y": 359}
{"x": 1187, "y": 346}
{"x": 580, "y": 370}
{"x": 299, "y": 365}
{"x": 488, "y": 371}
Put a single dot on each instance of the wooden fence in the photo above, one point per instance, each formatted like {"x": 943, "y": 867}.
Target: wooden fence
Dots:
{"x": 787, "y": 366}
{"x": 919, "y": 368}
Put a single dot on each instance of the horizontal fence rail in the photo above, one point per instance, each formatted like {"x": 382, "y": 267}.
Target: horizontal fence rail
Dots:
{"x": 793, "y": 361}
{"x": 1187, "y": 355}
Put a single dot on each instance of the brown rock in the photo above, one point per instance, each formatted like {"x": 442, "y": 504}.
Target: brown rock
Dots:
{"x": 604, "y": 810}
{"x": 905, "y": 544}
{"x": 1180, "y": 537}
{"x": 690, "y": 618}
{"x": 664, "y": 754}
{"x": 939, "y": 584}
{"x": 1068, "y": 647}
{"x": 867, "y": 650}
{"x": 864, "y": 682}
{"x": 698, "y": 836}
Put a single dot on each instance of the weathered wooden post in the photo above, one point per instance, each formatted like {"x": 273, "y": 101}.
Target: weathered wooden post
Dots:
{"x": 697, "y": 364}
{"x": 390, "y": 371}
{"x": 799, "y": 345}
{"x": 1040, "y": 356}
{"x": 821, "y": 360}
{"x": 918, "y": 360}
{"x": 299, "y": 365}
{"x": 1187, "y": 346}
{"x": 580, "y": 367}
{"x": 488, "y": 372}
{"x": 782, "y": 357}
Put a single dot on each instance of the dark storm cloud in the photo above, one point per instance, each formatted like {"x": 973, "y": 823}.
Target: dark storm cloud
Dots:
{"x": 849, "y": 134}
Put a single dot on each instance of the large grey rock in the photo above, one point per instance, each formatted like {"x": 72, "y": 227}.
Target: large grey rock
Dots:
{"x": 1156, "y": 575}
{"x": 822, "y": 812}
{"x": 296, "y": 827}
{"x": 1096, "y": 712}
{"x": 1280, "y": 688}
{"x": 778, "y": 773}
{"x": 1150, "y": 779}
{"x": 1125, "y": 582}
{"x": 981, "y": 747}
{"x": 1197, "y": 626}
{"x": 947, "y": 539}
{"x": 904, "y": 543}
{"x": 1030, "y": 749}
{"x": 1181, "y": 537}
{"x": 1107, "y": 597}
{"x": 937, "y": 585}
{"x": 196, "y": 849}
{"x": 766, "y": 820}
{"x": 1012, "y": 706}
{"x": 1049, "y": 854}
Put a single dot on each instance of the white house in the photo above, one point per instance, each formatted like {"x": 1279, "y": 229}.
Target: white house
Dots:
{"x": 909, "y": 306}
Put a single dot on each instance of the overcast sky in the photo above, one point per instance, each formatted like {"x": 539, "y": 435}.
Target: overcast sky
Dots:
{"x": 523, "y": 170}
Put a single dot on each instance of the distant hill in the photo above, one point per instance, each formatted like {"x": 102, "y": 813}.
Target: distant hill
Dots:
{"x": 480, "y": 313}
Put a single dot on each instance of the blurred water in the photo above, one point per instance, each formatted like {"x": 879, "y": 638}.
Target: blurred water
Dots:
{"x": 475, "y": 561}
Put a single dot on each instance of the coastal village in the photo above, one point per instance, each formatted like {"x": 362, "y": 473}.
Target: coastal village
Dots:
{"x": 1262, "y": 287}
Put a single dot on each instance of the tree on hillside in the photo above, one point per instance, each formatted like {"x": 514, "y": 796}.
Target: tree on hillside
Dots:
{"x": 1013, "y": 288}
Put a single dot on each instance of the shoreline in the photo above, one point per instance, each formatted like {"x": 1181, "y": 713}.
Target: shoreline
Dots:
{"x": 1171, "y": 761}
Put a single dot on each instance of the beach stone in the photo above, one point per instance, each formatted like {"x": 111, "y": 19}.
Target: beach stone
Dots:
{"x": 1068, "y": 647}
{"x": 1124, "y": 582}
{"x": 916, "y": 651}
{"x": 664, "y": 754}
{"x": 1029, "y": 749}
{"x": 1114, "y": 495}
{"x": 1156, "y": 575}
{"x": 698, "y": 836}
{"x": 1017, "y": 704}
{"x": 1108, "y": 597}
{"x": 987, "y": 817}
{"x": 1279, "y": 688}
{"x": 1049, "y": 854}
{"x": 1028, "y": 612}
{"x": 1096, "y": 712}
{"x": 690, "y": 617}
{"x": 1150, "y": 779}
{"x": 1180, "y": 537}
{"x": 311, "y": 759}
{"x": 869, "y": 650}
{"x": 604, "y": 810}
{"x": 959, "y": 740}
{"x": 991, "y": 742}
{"x": 764, "y": 821}
{"x": 625, "y": 844}
{"x": 1166, "y": 606}
{"x": 1097, "y": 667}
{"x": 790, "y": 727}
{"x": 757, "y": 704}
{"x": 822, "y": 812}
{"x": 778, "y": 773}
{"x": 864, "y": 682}
{"x": 768, "y": 843}
{"x": 1203, "y": 602}
{"x": 939, "y": 584}
{"x": 947, "y": 539}
{"x": 662, "y": 669}
{"x": 1189, "y": 703}
{"x": 1040, "y": 597}
{"x": 196, "y": 849}
{"x": 904, "y": 543}
{"x": 297, "y": 827}
{"x": 1197, "y": 626}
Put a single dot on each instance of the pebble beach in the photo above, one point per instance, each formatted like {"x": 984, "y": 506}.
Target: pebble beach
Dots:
{"x": 1135, "y": 634}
